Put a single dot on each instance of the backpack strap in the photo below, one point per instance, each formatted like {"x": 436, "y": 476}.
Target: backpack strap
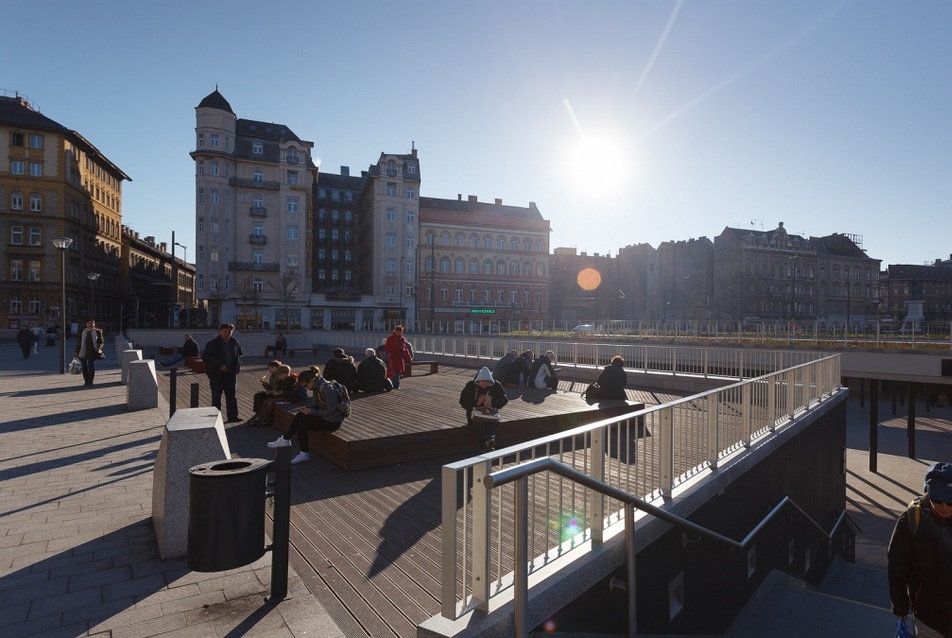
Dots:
{"x": 913, "y": 515}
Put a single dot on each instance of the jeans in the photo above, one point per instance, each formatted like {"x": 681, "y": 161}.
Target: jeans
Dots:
{"x": 227, "y": 383}
{"x": 304, "y": 422}
{"x": 89, "y": 370}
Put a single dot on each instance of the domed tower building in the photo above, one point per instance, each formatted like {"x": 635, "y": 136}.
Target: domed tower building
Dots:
{"x": 253, "y": 203}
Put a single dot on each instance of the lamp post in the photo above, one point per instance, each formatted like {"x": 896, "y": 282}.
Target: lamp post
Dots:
{"x": 61, "y": 244}
{"x": 93, "y": 277}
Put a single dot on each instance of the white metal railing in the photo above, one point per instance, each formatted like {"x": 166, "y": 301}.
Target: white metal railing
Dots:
{"x": 646, "y": 454}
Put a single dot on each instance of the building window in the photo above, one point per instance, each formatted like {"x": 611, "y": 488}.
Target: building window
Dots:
{"x": 321, "y": 234}
{"x": 348, "y": 256}
{"x": 458, "y": 266}
{"x": 293, "y": 178}
{"x": 335, "y": 275}
{"x": 36, "y": 203}
{"x": 36, "y": 169}
{"x": 487, "y": 241}
{"x": 257, "y": 257}
{"x": 514, "y": 243}
{"x": 335, "y": 254}
{"x": 214, "y": 196}
{"x": 257, "y": 147}
{"x": 257, "y": 176}
{"x": 36, "y": 140}
{"x": 528, "y": 245}
{"x": 335, "y": 216}
{"x": 213, "y": 255}
{"x": 213, "y": 168}
{"x": 391, "y": 240}
{"x": 391, "y": 264}
{"x": 16, "y": 167}
{"x": 348, "y": 217}
{"x": 292, "y": 232}
{"x": 16, "y": 201}
{"x": 16, "y": 306}
{"x": 460, "y": 240}
{"x": 321, "y": 254}
{"x": 16, "y": 235}
{"x": 292, "y": 204}
{"x": 474, "y": 241}
{"x": 321, "y": 274}
{"x": 201, "y": 140}
{"x": 444, "y": 264}
{"x": 473, "y": 267}
{"x": 35, "y": 236}
{"x": 16, "y": 139}
{"x": 410, "y": 168}
{"x": 335, "y": 195}
{"x": 258, "y": 202}
{"x": 410, "y": 242}
{"x": 391, "y": 214}
{"x": 292, "y": 261}
{"x": 444, "y": 238}
{"x": 410, "y": 216}
{"x": 213, "y": 227}
{"x": 33, "y": 274}
{"x": 391, "y": 188}
{"x": 411, "y": 193}
{"x": 458, "y": 294}
{"x": 409, "y": 267}
{"x": 335, "y": 234}
{"x": 213, "y": 138}
{"x": 16, "y": 270}
{"x": 348, "y": 276}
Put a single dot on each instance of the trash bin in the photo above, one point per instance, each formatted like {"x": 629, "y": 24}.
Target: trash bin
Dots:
{"x": 226, "y": 502}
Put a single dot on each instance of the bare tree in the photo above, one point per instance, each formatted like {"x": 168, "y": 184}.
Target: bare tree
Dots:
{"x": 250, "y": 296}
{"x": 286, "y": 287}
{"x": 217, "y": 295}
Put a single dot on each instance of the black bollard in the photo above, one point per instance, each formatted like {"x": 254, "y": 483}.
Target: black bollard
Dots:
{"x": 873, "y": 424}
{"x": 193, "y": 398}
{"x": 173, "y": 386}
{"x": 281, "y": 527}
{"x": 911, "y": 421}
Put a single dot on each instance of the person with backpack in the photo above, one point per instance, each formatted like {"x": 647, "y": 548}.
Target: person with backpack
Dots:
{"x": 324, "y": 412}
{"x": 920, "y": 557}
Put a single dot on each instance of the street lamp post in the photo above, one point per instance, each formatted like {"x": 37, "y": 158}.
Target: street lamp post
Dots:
{"x": 93, "y": 277}
{"x": 61, "y": 244}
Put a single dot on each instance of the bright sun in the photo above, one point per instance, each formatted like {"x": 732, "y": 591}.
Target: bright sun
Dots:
{"x": 600, "y": 158}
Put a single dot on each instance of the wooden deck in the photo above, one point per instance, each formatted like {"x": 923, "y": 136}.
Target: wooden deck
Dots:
{"x": 367, "y": 543}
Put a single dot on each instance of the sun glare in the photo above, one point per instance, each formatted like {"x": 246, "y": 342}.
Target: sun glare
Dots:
{"x": 589, "y": 279}
{"x": 600, "y": 158}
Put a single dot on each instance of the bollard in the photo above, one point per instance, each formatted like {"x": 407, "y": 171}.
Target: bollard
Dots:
{"x": 193, "y": 398}
{"x": 281, "y": 525}
{"x": 173, "y": 386}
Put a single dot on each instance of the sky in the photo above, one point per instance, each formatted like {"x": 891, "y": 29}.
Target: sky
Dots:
{"x": 626, "y": 122}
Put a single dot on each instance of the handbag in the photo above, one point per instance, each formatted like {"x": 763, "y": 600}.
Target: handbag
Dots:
{"x": 75, "y": 366}
{"x": 485, "y": 415}
{"x": 591, "y": 393}
{"x": 100, "y": 355}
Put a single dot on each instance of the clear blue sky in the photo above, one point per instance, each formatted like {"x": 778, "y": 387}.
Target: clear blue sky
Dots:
{"x": 625, "y": 121}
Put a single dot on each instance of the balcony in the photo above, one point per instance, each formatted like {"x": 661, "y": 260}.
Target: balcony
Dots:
{"x": 292, "y": 159}
{"x": 259, "y": 211}
{"x": 253, "y": 265}
{"x": 243, "y": 182}
{"x": 258, "y": 240}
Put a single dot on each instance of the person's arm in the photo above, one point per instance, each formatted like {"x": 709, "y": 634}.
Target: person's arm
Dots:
{"x": 498, "y": 394}
{"x": 899, "y": 566}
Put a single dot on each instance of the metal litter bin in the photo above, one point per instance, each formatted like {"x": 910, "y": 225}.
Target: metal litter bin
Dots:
{"x": 226, "y": 502}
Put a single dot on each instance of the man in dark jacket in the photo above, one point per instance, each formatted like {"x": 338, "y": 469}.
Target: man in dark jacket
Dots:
{"x": 222, "y": 357}
{"x": 341, "y": 368}
{"x": 372, "y": 374}
{"x": 612, "y": 380}
{"x": 501, "y": 369}
{"x": 920, "y": 557}
{"x": 483, "y": 393}
{"x": 25, "y": 341}
{"x": 518, "y": 372}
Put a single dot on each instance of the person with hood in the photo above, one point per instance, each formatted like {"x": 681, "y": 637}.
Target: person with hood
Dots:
{"x": 321, "y": 413}
{"x": 341, "y": 368}
{"x": 612, "y": 380}
{"x": 25, "y": 341}
{"x": 517, "y": 375}
{"x": 372, "y": 374}
{"x": 919, "y": 556}
{"x": 482, "y": 398}
{"x": 89, "y": 344}
{"x": 222, "y": 357}
{"x": 543, "y": 372}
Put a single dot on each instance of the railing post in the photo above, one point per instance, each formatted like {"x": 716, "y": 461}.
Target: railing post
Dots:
{"x": 712, "y": 440}
{"x": 521, "y": 567}
{"x": 747, "y": 409}
{"x": 482, "y": 503}
{"x": 772, "y": 400}
{"x": 449, "y": 540}
{"x": 791, "y": 393}
{"x": 600, "y": 439}
{"x": 630, "y": 570}
{"x": 666, "y": 451}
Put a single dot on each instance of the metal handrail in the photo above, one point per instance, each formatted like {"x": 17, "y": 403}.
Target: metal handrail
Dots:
{"x": 519, "y": 474}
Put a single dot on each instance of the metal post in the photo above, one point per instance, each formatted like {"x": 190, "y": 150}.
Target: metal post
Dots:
{"x": 521, "y": 558}
{"x": 173, "y": 390}
{"x": 281, "y": 527}
{"x": 911, "y": 421}
{"x": 193, "y": 398}
{"x": 61, "y": 244}
{"x": 873, "y": 424}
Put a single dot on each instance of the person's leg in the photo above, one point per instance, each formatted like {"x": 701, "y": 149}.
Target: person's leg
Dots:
{"x": 258, "y": 400}
{"x": 395, "y": 381}
{"x": 92, "y": 370}
{"x": 215, "y": 385}
{"x": 86, "y": 376}
{"x": 231, "y": 396}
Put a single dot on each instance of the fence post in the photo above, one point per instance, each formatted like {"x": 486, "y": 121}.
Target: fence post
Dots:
{"x": 666, "y": 450}
{"x": 482, "y": 515}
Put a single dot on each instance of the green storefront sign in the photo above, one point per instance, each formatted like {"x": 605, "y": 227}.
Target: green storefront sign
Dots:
{"x": 482, "y": 311}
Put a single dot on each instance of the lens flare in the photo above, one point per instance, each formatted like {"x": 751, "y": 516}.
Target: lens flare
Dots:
{"x": 589, "y": 279}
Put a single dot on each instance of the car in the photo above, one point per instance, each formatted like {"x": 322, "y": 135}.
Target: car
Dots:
{"x": 584, "y": 328}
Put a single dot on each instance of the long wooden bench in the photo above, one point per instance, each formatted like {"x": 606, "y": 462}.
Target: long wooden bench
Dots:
{"x": 434, "y": 367}
{"x": 269, "y": 351}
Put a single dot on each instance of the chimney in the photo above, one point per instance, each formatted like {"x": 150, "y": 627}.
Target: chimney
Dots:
{"x": 345, "y": 171}
{"x": 498, "y": 202}
{"x": 472, "y": 198}
{"x": 459, "y": 197}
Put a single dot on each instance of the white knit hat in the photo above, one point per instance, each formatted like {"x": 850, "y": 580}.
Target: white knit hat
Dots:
{"x": 484, "y": 375}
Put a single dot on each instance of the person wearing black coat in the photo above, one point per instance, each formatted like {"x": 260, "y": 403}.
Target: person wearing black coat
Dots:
{"x": 522, "y": 365}
{"x": 501, "y": 370}
{"x": 483, "y": 392}
{"x": 341, "y": 368}
{"x": 372, "y": 374}
{"x": 222, "y": 357}
{"x": 612, "y": 380}
{"x": 25, "y": 341}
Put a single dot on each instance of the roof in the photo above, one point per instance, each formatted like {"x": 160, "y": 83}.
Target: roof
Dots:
{"x": 899, "y": 272}
{"x": 470, "y": 206}
{"x": 264, "y": 130}
{"x": 334, "y": 180}
{"x": 215, "y": 100}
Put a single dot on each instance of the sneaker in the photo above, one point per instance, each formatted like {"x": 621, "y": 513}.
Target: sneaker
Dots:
{"x": 301, "y": 457}
{"x": 279, "y": 442}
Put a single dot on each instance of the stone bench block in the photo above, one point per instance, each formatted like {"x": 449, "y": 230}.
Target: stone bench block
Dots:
{"x": 191, "y": 437}
{"x": 129, "y": 356}
{"x": 121, "y": 345}
{"x": 142, "y": 391}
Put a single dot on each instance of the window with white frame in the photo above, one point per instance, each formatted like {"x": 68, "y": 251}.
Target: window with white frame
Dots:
{"x": 391, "y": 264}
{"x": 335, "y": 254}
{"x": 409, "y": 242}
{"x": 512, "y": 296}
{"x": 258, "y": 202}
{"x": 348, "y": 275}
{"x": 348, "y": 216}
{"x": 16, "y": 270}
{"x": 257, "y": 229}
{"x": 201, "y": 195}
{"x": 257, "y": 147}
{"x": 335, "y": 195}
{"x": 391, "y": 290}
{"x": 201, "y": 140}
{"x": 391, "y": 214}
{"x": 36, "y": 203}
{"x": 410, "y": 216}
{"x": 411, "y": 193}
{"x": 458, "y": 266}
{"x": 257, "y": 257}
{"x": 487, "y": 241}
{"x": 213, "y": 255}
{"x": 257, "y": 285}
{"x": 257, "y": 176}
{"x": 16, "y": 306}
{"x": 213, "y": 139}
{"x": 410, "y": 168}
{"x": 293, "y": 204}
{"x": 409, "y": 266}
{"x": 458, "y": 294}
{"x": 348, "y": 256}
{"x": 36, "y": 169}
{"x": 16, "y": 235}
{"x": 214, "y": 196}
{"x": 335, "y": 275}
{"x": 499, "y": 296}
{"x": 391, "y": 188}
{"x": 335, "y": 234}
{"x": 294, "y": 178}
{"x": 335, "y": 216}
{"x": 35, "y": 305}
{"x": 444, "y": 264}
{"x": 292, "y": 232}
{"x": 16, "y": 167}
{"x": 16, "y": 201}
{"x": 36, "y": 140}
{"x": 35, "y": 236}
{"x": 443, "y": 294}
{"x": 473, "y": 266}
{"x": 391, "y": 240}
{"x": 33, "y": 273}
{"x": 213, "y": 168}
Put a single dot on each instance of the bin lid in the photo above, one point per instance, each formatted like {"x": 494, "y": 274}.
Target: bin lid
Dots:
{"x": 229, "y": 467}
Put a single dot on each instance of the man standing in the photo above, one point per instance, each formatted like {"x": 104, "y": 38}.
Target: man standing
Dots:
{"x": 25, "y": 341}
{"x": 89, "y": 345}
{"x": 397, "y": 355}
{"x": 920, "y": 557}
{"x": 222, "y": 357}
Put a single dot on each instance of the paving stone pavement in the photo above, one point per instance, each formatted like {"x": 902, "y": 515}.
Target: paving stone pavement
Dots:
{"x": 77, "y": 548}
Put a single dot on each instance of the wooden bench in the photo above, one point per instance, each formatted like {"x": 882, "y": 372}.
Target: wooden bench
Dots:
{"x": 269, "y": 351}
{"x": 195, "y": 364}
{"x": 434, "y": 367}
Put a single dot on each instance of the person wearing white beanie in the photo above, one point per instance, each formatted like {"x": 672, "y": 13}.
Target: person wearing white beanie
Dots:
{"x": 482, "y": 398}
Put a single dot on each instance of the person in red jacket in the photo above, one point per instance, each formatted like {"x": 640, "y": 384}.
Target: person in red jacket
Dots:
{"x": 397, "y": 356}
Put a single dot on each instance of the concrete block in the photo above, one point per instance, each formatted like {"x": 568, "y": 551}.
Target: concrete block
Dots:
{"x": 142, "y": 390}
{"x": 129, "y": 356}
{"x": 191, "y": 437}
{"x": 121, "y": 345}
